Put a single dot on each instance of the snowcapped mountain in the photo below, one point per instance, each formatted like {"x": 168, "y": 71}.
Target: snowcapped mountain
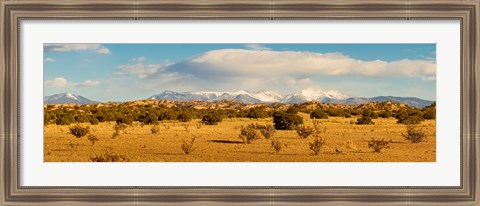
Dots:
{"x": 310, "y": 94}
{"x": 306, "y": 95}
{"x": 240, "y": 96}
{"x": 66, "y": 98}
{"x": 253, "y": 97}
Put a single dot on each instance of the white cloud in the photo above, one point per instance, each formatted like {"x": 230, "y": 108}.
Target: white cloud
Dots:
{"x": 253, "y": 63}
{"x": 90, "y": 83}
{"x": 139, "y": 59}
{"x": 97, "y": 48}
{"x": 257, "y": 47}
{"x": 59, "y": 82}
{"x": 429, "y": 78}
{"x": 49, "y": 59}
{"x": 141, "y": 70}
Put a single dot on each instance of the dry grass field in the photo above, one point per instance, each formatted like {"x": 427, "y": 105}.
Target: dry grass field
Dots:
{"x": 345, "y": 142}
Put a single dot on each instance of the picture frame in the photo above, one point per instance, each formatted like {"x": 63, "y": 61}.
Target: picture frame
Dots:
{"x": 13, "y": 12}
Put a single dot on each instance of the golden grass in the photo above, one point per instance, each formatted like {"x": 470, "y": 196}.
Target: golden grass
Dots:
{"x": 345, "y": 142}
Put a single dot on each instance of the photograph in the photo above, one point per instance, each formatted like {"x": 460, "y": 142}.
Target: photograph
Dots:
{"x": 232, "y": 102}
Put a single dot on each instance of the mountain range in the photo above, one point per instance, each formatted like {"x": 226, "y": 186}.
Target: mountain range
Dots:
{"x": 306, "y": 95}
{"x": 66, "y": 98}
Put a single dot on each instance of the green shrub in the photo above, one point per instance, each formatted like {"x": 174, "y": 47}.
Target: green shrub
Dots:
{"x": 184, "y": 117}
{"x": 212, "y": 119}
{"x": 414, "y": 134}
{"x": 411, "y": 120}
{"x": 248, "y": 134}
{"x": 318, "y": 114}
{"x": 94, "y": 121}
{"x": 304, "y": 131}
{"x": 364, "y": 120}
{"x": 79, "y": 131}
{"x": 286, "y": 121}
{"x": 385, "y": 114}
{"x": 257, "y": 113}
{"x": 124, "y": 120}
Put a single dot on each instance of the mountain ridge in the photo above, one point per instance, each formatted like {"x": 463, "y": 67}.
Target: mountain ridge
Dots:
{"x": 259, "y": 97}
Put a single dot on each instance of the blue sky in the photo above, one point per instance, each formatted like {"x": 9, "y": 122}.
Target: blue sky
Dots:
{"x": 122, "y": 72}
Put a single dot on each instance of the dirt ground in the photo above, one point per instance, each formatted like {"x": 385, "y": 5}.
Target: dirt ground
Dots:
{"x": 345, "y": 142}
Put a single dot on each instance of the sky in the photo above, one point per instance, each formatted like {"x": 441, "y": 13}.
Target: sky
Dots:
{"x": 124, "y": 72}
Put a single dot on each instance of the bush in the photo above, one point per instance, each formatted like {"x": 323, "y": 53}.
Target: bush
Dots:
{"x": 212, "y": 119}
{"x": 107, "y": 157}
{"x": 364, "y": 120}
{"x": 94, "y": 121}
{"x": 318, "y": 114}
{"x": 411, "y": 120}
{"x": 385, "y": 114}
{"x": 118, "y": 128}
{"x": 277, "y": 145}
{"x": 124, "y": 120}
{"x": 304, "y": 131}
{"x": 317, "y": 145}
{"x": 184, "y": 117}
{"x": 79, "y": 131}
{"x": 248, "y": 134}
{"x": 414, "y": 134}
{"x": 155, "y": 129}
{"x": 257, "y": 113}
{"x": 286, "y": 121}
{"x": 378, "y": 145}
{"x": 92, "y": 138}
{"x": 268, "y": 131}
{"x": 187, "y": 147}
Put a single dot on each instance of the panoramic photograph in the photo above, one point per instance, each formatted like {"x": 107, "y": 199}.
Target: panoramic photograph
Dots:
{"x": 239, "y": 102}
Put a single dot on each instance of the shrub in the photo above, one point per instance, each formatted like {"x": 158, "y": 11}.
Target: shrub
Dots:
{"x": 124, "y": 120}
{"x": 184, "y": 117}
{"x": 107, "y": 157}
{"x": 248, "y": 134}
{"x": 385, "y": 114}
{"x": 257, "y": 113}
{"x": 118, "y": 128}
{"x": 268, "y": 131}
{"x": 286, "y": 121}
{"x": 364, "y": 120}
{"x": 377, "y": 145}
{"x": 277, "y": 145}
{"x": 187, "y": 147}
{"x": 92, "y": 138}
{"x": 304, "y": 131}
{"x": 318, "y": 114}
{"x": 151, "y": 119}
{"x": 317, "y": 145}
{"x": 212, "y": 119}
{"x": 79, "y": 131}
{"x": 414, "y": 134}
{"x": 155, "y": 129}
{"x": 411, "y": 120}
{"x": 94, "y": 121}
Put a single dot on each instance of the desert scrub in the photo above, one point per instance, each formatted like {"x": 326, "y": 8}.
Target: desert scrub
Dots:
{"x": 107, "y": 157}
{"x": 118, "y": 128}
{"x": 378, "y": 145}
{"x": 317, "y": 145}
{"x": 277, "y": 145}
{"x": 414, "y": 134}
{"x": 92, "y": 138}
{"x": 304, "y": 131}
{"x": 79, "y": 131}
{"x": 268, "y": 131}
{"x": 187, "y": 146}
{"x": 155, "y": 129}
{"x": 248, "y": 134}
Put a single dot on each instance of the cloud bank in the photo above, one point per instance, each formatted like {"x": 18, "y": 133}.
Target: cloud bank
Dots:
{"x": 60, "y": 82}
{"x": 97, "y": 48}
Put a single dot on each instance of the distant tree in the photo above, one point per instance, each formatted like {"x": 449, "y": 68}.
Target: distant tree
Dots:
{"x": 212, "y": 119}
{"x": 286, "y": 121}
{"x": 318, "y": 114}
